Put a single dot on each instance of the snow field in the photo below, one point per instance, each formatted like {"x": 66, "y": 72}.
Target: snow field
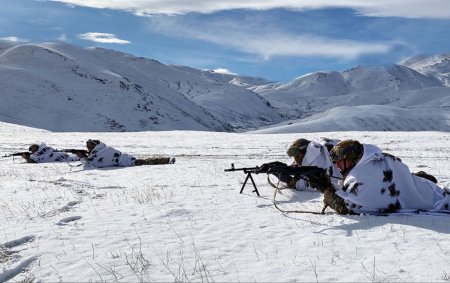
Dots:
{"x": 188, "y": 222}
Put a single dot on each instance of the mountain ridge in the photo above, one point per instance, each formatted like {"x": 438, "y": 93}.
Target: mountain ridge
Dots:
{"x": 61, "y": 87}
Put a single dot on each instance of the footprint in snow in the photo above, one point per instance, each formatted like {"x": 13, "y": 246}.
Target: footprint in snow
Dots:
{"x": 66, "y": 220}
{"x": 81, "y": 192}
{"x": 19, "y": 266}
{"x": 18, "y": 242}
{"x": 6, "y": 251}
{"x": 68, "y": 206}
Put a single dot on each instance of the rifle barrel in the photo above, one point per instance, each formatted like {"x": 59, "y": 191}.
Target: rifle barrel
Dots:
{"x": 242, "y": 169}
{"x": 16, "y": 154}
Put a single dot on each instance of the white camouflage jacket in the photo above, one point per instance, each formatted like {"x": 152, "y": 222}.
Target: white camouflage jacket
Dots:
{"x": 382, "y": 183}
{"x": 47, "y": 154}
{"x": 317, "y": 155}
{"x": 105, "y": 156}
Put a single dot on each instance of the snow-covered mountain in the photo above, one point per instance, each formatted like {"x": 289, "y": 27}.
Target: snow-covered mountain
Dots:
{"x": 437, "y": 66}
{"x": 368, "y": 117}
{"x": 378, "y": 98}
{"x": 60, "y": 87}
{"x": 245, "y": 81}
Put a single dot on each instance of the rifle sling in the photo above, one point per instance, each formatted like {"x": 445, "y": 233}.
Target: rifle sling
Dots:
{"x": 287, "y": 211}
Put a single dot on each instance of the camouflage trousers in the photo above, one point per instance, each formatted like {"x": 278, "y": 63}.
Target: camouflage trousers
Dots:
{"x": 335, "y": 202}
{"x": 154, "y": 161}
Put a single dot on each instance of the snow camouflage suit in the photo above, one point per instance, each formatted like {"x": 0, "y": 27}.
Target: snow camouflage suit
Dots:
{"x": 317, "y": 155}
{"x": 104, "y": 156}
{"x": 47, "y": 154}
{"x": 380, "y": 183}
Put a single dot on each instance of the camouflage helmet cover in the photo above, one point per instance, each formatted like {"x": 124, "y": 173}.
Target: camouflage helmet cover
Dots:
{"x": 297, "y": 147}
{"x": 92, "y": 142}
{"x": 33, "y": 148}
{"x": 347, "y": 149}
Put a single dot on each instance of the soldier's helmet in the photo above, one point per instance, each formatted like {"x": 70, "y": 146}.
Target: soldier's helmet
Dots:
{"x": 92, "y": 143}
{"x": 298, "y": 146}
{"x": 347, "y": 149}
{"x": 33, "y": 148}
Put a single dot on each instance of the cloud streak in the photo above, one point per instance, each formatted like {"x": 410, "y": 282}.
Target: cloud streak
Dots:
{"x": 273, "y": 45}
{"x": 102, "y": 38}
{"x": 269, "y": 43}
{"x": 224, "y": 71}
{"x": 13, "y": 39}
{"x": 380, "y": 8}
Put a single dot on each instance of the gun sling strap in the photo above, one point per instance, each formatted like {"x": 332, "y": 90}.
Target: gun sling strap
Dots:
{"x": 277, "y": 188}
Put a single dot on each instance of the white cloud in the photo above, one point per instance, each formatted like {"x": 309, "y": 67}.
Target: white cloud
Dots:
{"x": 102, "y": 37}
{"x": 270, "y": 45}
{"x": 13, "y": 39}
{"x": 382, "y": 8}
{"x": 224, "y": 71}
{"x": 62, "y": 37}
{"x": 435, "y": 9}
{"x": 269, "y": 42}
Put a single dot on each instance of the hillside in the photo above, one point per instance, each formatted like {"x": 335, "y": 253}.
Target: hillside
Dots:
{"x": 367, "y": 118}
{"x": 60, "y": 87}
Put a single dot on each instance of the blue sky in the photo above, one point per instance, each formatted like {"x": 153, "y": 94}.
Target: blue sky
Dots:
{"x": 260, "y": 38}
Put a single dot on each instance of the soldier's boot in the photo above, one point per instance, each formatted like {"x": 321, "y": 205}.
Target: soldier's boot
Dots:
{"x": 427, "y": 176}
{"x": 154, "y": 161}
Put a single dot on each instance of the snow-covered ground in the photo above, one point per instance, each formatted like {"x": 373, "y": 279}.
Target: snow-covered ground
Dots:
{"x": 188, "y": 222}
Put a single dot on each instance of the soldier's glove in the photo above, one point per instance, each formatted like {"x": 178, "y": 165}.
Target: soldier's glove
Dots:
{"x": 292, "y": 183}
{"x": 264, "y": 168}
{"x": 25, "y": 155}
{"x": 81, "y": 153}
{"x": 322, "y": 183}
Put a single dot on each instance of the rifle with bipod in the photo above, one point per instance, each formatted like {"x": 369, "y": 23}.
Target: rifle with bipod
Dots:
{"x": 314, "y": 175}
{"x": 248, "y": 171}
{"x": 317, "y": 177}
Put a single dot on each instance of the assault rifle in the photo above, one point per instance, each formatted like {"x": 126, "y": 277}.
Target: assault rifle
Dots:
{"x": 16, "y": 154}
{"x": 317, "y": 177}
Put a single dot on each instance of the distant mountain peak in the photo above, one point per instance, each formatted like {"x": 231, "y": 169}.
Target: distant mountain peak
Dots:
{"x": 436, "y": 66}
